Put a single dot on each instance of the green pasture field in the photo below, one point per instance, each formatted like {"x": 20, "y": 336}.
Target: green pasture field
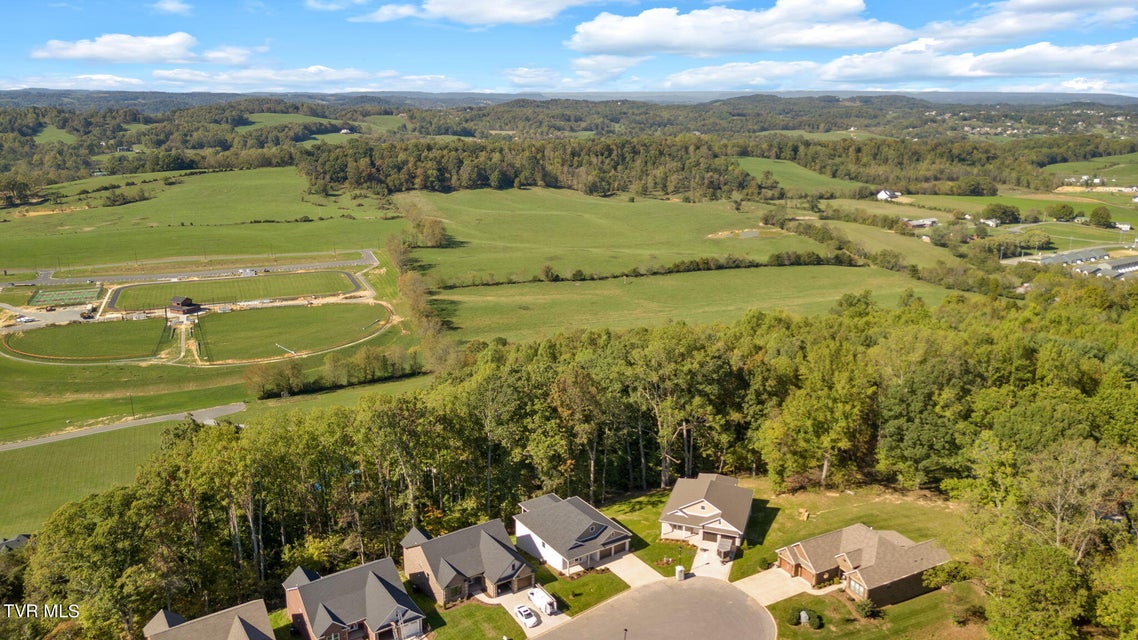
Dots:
{"x": 16, "y": 296}
{"x": 261, "y": 120}
{"x": 248, "y": 335}
{"x": 384, "y": 277}
{"x": 51, "y": 134}
{"x": 385, "y": 123}
{"x": 889, "y": 208}
{"x": 211, "y": 291}
{"x": 210, "y": 264}
{"x": 93, "y": 341}
{"x": 915, "y": 250}
{"x": 65, "y": 297}
{"x": 1121, "y": 169}
{"x": 1039, "y": 202}
{"x": 205, "y": 216}
{"x": 512, "y": 234}
{"x": 1066, "y": 236}
{"x": 532, "y": 310}
{"x": 827, "y": 135}
{"x": 38, "y": 480}
{"x": 348, "y": 397}
{"x": 793, "y": 176}
{"x": 775, "y": 522}
{"x": 328, "y": 138}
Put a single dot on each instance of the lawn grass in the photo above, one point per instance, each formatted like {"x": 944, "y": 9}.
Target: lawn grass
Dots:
{"x": 641, "y": 516}
{"x": 528, "y": 311}
{"x": 262, "y": 120}
{"x": 201, "y": 217}
{"x": 776, "y": 521}
{"x": 281, "y": 623}
{"x": 261, "y": 333}
{"x": 198, "y": 264}
{"x": 471, "y": 619}
{"x": 915, "y": 250}
{"x": 791, "y": 176}
{"x": 16, "y": 296}
{"x": 385, "y": 123}
{"x": 38, "y": 480}
{"x": 510, "y": 235}
{"x": 93, "y": 341}
{"x": 1066, "y": 236}
{"x": 217, "y": 290}
{"x": 927, "y": 617}
{"x": 582, "y": 592}
{"x": 52, "y": 133}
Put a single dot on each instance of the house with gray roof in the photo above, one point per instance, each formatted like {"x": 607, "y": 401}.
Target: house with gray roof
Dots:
{"x": 708, "y": 508}
{"x": 462, "y": 563}
{"x": 882, "y": 566}
{"x": 15, "y": 542}
{"x": 249, "y": 621}
{"x": 367, "y": 601}
{"x": 568, "y": 535}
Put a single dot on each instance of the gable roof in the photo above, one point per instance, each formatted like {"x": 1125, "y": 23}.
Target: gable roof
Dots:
{"x": 572, "y": 527}
{"x": 299, "y": 576}
{"x": 821, "y": 552}
{"x": 877, "y": 557}
{"x": 480, "y": 550}
{"x": 371, "y": 593}
{"x": 414, "y": 538}
{"x": 722, "y": 492}
{"x": 249, "y": 621}
{"x": 13, "y": 543}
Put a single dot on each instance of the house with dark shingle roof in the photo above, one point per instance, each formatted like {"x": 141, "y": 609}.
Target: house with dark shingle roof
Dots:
{"x": 367, "y": 601}
{"x": 709, "y": 508}
{"x": 15, "y": 542}
{"x": 249, "y": 621}
{"x": 568, "y": 535}
{"x": 462, "y": 563}
{"x": 882, "y": 566}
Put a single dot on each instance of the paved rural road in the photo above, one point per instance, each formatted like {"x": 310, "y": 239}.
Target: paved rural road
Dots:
{"x": 695, "y": 608}
{"x": 44, "y": 276}
{"x": 201, "y": 415}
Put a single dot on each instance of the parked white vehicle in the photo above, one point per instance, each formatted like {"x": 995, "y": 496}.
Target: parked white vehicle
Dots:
{"x": 525, "y": 615}
{"x": 543, "y": 601}
{"x": 25, "y": 319}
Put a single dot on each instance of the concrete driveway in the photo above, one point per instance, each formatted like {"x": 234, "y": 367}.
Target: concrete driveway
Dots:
{"x": 773, "y": 585}
{"x": 695, "y": 608}
{"x": 633, "y": 570}
{"x": 511, "y": 600}
{"x": 707, "y": 563}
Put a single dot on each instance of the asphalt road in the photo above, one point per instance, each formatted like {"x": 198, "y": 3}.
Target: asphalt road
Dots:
{"x": 698, "y": 608}
{"x": 201, "y": 415}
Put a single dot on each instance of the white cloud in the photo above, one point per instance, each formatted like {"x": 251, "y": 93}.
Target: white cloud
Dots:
{"x": 766, "y": 74}
{"x": 530, "y": 77}
{"x": 311, "y": 78}
{"x": 475, "y": 12}
{"x": 588, "y": 72}
{"x": 227, "y": 55}
{"x": 788, "y": 24}
{"x": 120, "y": 47}
{"x": 332, "y": 5}
{"x": 95, "y": 81}
{"x": 172, "y": 6}
{"x": 1006, "y": 21}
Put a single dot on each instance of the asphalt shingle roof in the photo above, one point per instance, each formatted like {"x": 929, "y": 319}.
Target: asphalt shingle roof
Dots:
{"x": 480, "y": 550}
{"x": 249, "y": 621}
{"x": 572, "y": 527}
{"x": 880, "y": 557}
{"x": 371, "y": 593}
{"x": 722, "y": 492}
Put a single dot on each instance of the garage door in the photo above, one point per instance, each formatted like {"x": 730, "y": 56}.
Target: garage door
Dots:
{"x": 710, "y": 536}
{"x": 606, "y": 553}
{"x": 525, "y": 583}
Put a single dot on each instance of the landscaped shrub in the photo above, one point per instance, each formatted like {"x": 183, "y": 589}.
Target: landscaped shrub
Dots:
{"x": 866, "y": 609}
{"x": 792, "y": 618}
{"x": 813, "y": 619}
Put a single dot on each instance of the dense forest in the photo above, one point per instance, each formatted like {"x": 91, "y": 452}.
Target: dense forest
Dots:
{"x": 1026, "y": 411}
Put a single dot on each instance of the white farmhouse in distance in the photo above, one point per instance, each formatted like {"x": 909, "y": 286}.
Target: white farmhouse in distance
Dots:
{"x": 886, "y": 194}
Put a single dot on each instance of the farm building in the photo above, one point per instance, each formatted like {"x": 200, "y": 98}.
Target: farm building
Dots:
{"x": 569, "y": 535}
{"x": 886, "y": 194}
{"x": 249, "y": 621}
{"x": 182, "y": 305}
{"x": 1113, "y": 268}
{"x": 882, "y": 566}
{"x": 1075, "y": 257}
{"x": 923, "y": 223}
{"x": 1123, "y": 226}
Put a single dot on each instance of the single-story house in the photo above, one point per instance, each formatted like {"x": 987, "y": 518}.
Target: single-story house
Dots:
{"x": 462, "y": 563}
{"x": 183, "y": 305}
{"x": 568, "y": 535}
{"x": 708, "y": 508}
{"x": 1123, "y": 226}
{"x": 1075, "y": 257}
{"x": 922, "y": 223}
{"x": 886, "y": 194}
{"x": 364, "y": 602}
{"x": 249, "y": 621}
{"x": 882, "y": 566}
{"x": 15, "y": 542}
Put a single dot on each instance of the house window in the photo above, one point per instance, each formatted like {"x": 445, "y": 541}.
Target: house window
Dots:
{"x": 856, "y": 587}
{"x": 703, "y": 507}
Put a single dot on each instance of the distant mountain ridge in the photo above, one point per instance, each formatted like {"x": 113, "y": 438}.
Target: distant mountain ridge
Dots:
{"x": 157, "y": 101}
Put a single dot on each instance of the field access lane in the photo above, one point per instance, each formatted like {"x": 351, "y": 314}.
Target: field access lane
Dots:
{"x": 201, "y": 415}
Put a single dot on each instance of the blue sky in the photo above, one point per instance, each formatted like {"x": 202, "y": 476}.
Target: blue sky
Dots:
{"x": 571, "y": 45}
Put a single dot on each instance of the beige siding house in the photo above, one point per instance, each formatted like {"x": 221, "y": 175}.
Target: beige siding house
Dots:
{"x": 709, "y": 508}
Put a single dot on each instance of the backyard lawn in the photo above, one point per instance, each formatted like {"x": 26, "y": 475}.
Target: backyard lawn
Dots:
{"x": 471, "y": 619}
{"x": 581, "y": 593}
{"x": 641, "y": 516}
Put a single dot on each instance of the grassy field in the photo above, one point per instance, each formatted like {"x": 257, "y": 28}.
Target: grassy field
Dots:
{"x": 1119, "y": 171}
{"x": 826, "y": 135}
{"x": 256, "y": 333}
{"x": 37, "y": 480}
{"x": 888, "y": 208}
{"x": 209, "y": 264}
{"x": 915, "y": 250}
{"x": 776, "y": 522}
{"x": 640, "y": 515}
{"x": 51, "y": 134}
{"x": 94, "y": 341}
{"x": 928, "y": 617}
{"x": 349, "y": 397}
{"x": 1066, "y": 236}
{"x": 793, "y": 176}
{"x": 583, "y": 592}
{"x": 513, "y": 234}
{"x": 201, "y": 217}
{"x": 472, "y": 619}
{"x": 211, "y": 291}
{"x": 1026, "y": 203}
{"x": 385, "y": 123}
{"x": 261, "y": 120}
{"x": 527, "y": 311}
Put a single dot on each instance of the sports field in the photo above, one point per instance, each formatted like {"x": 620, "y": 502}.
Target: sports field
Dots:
{"x": 915, "y": 250}
{"x": 261, "y": 287}
{"x": 792, "y": 176}
{"x": 64, "y": 297}
{"x": 93, "y": 341}
{"x": 265, "y": 333}
{"x": 528, "y": 311}
{"x": 511, "y": 235}
{"x": 37, "y": 480}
